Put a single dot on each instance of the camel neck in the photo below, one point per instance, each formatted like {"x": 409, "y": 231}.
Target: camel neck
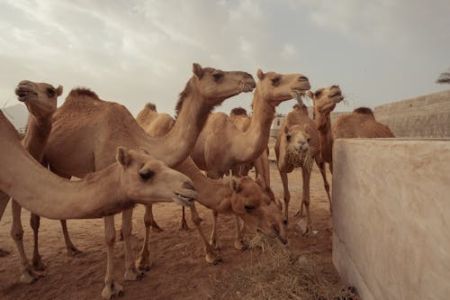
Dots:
{"x": 326, "y": 138}
{"x": 250, "y": 144}
{"x": 211, "y": 193}
{"x": 175, "y": 146}
{"x": 45, "y": 194}
{"x": 36, "y": 136}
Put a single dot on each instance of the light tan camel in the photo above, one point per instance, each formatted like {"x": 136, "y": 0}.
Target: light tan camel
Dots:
{"x": 242, "y": 197}
{"x": 221, "y": 146}
{"x": 86, "y": 129}
{"x": 136, "y": 177}
{"x": 298, "y": 146}
{"x": 360, "y": 123}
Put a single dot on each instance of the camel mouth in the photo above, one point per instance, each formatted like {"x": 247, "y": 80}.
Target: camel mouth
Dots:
{"x": 337, "y": 95}
{"x": 24, "y": 93}
{"x": 185, "y": 200}
{"x": 297, "y": 92}
{"x": 247, "y": 87}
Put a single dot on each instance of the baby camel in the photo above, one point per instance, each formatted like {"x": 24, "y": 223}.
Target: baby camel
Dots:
{"x": 242, "y": 197}
{"x": 136, "y": 177}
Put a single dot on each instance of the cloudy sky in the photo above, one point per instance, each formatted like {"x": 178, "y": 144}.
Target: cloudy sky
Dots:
{"x": 136, "y": 51}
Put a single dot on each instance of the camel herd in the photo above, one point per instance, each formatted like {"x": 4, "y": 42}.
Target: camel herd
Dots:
{"x": 121, "y": 161}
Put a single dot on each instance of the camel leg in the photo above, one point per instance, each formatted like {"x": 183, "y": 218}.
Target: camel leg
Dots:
{"x": 143, "y": 262}
{"x": 286, "y": 194}
{"x": 131, "y": 274}
{"x": 71, "y": 249}
{"x": 239, "y": 243}
{"x": 306, "y": 199}
{"x": 112, "y": 288}
{"x": 4, "y": 199}
{"x": 323, "y": 171}
{"x": 211, "y": 256}
{"x": 184, "y": 225}
{"x": 213, "y": 236}
{"x": 35, "y": 222}
{"x": 153, "y": 225}
{"x": 28, "y": 275}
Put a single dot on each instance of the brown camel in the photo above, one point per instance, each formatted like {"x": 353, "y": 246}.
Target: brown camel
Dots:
{"x": 325, "y": 101}
{"x": 298, "y": 146}
{"x": 40, "y": 100}
{"x": 86, "y": 129}
{"x": 360, "y": 123}
{"x": 136, "y": 177}
{"x": 242, "y": 197}
{"x": 221, "y": 145}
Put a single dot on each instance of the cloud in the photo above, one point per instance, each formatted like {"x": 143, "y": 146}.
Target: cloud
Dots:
{"x": 136, "y": 51}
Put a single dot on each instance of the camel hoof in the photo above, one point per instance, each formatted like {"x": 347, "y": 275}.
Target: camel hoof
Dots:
{"x": 184, "y": 226}
{"x": 299, "y": 213}
{"x": 4, "y": 253}
{"x": 213, "y": 259}
{"x": 29, "y": 277}
{"x": 133, "y": 275}
{"x": 38, "y": 265}
{"x": 112, "y": 290}
{"x": 73, "y": 251}
{"x": 240, "y": 245}
{"x": 143, "y": 264}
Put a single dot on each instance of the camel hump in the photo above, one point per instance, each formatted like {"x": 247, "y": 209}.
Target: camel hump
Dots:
{"x": 83, "y": 92}
{"x": 364, "y": 111}
{"x": 238, "y": 111}
{"x": 150, "y": 106}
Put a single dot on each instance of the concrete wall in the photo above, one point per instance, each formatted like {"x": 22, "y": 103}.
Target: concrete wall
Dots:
{"x": 424, "y": 116}
{"x": 391, "y": 217}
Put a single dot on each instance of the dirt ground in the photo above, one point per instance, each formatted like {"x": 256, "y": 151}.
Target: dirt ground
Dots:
{"x": 179, "y": 270}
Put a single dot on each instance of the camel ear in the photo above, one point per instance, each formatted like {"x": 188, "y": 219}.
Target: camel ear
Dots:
{"x": 260, "y": 74}
{"x": 59, "y": 90}
{"x": 235, "y": 184}
{"x": 310, "y": 94}
{"x": 123, "y": 157}
{"x": 197, "y": 70}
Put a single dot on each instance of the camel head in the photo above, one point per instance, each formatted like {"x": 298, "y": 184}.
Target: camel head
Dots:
{"x": 297, "y": 139}
{"x": 275, "y": 87}
{"x": 216, "y": 85}
{"x": 253, "y": 205}
{"x": 145, "y": 179}
{"x": 40, "y": 98}
{"x": 325, "y": 99}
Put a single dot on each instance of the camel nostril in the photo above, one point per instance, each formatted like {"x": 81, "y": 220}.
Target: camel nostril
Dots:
{"x": 303, "y": 78}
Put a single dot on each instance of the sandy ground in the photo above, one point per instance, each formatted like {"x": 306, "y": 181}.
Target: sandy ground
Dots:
{"x": 179, "y": 270}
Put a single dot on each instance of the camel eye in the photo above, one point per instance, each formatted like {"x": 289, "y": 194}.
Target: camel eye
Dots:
{"x": 317, "y": 94}
{"x": 146, "y": 174}
{"x": 217, "y": 76}
{"x": 276, "y": 80}
{"x": 51, "y": 92}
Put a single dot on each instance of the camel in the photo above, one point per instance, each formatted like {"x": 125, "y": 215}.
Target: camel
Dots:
{"x": 360, "y": 123}
{"x": 221, "y": 146}
{"x": 40, "y": 100}
{"x": 325, "y": 100}
{"x": 242, "y": 197}
{"x": 298, "y": 146}
{"x": 135, "y": 177}
{"x": 86, "y": 128}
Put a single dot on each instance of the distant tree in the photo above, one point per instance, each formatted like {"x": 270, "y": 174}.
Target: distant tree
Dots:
{"x": 444, "y": 77}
